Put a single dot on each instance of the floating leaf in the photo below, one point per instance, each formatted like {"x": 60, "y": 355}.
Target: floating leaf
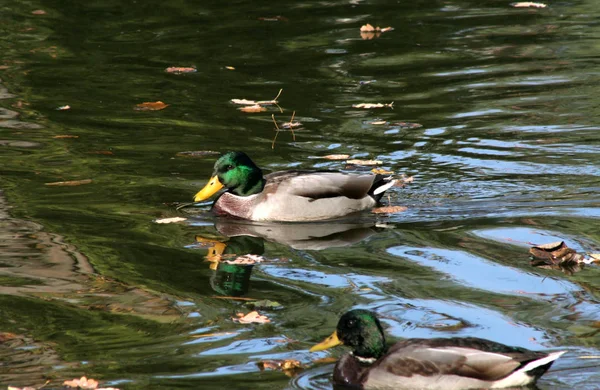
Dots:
{"x": 38, "y": 12}
{"x": 283, "y": 365}
{"x": 380, "y": 171}
{"x": 528, "y": 4}
{"x": 554, "y": 253}
{"x": 373, "y": 105}
{"x": 83, "y": 382}
{"x": 60, "y": 136}
{"x": 254, "y": 108}
{"x": 364, "y": 162}
{"x": 251, "y": 318}
{"x": 336, "y": 156}
{"x": 402, "y": 181}
{"x": 243, "y": 101}
{"x": 63, "y": 108}
{"x": 389, "y": 209}
{"x": 170, "y": 220}
{"x": 151, "y": 106}
{"x": 229, "y": 68}
{"x": 69, "y": 183}
{"x": 246, "y": 260}
{"x": 178, "y": 69}
{"x": 257, "y": 102}
{"x": 377, "y": 122}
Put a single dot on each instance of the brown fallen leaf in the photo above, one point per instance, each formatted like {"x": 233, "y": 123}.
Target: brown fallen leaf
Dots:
{"x": 325, "y": 360}
{"x": 528, "y": 4}
{"x": 69, "y": 183}
{"x": 251, "y": 318}
{"x": 170, "y": 220}
{"x": 38, "y": 12}
{"x": 7, "y": 336}
{"x": 61, "y": 136}
{"x": 254, "y": 108}
{"x": 289, "y": 366}
{"x": 83, "y": 382}
{"x": 389, "y": 209}
{"x": 150, "y": 106}
{"x": 336, "y": 156}
{"x": 554, "y": 253}
{"x": 179, "y": 69}
{"x": 367, "y": 28}
{"x": 364, "y": 162}
{"x": 380, "y": 171}
{"x": 373, "y": 105}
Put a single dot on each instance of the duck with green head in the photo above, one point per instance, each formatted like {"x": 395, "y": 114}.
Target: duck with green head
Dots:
{"x": 441, "y": 363}
{"x": 290, "y": 196}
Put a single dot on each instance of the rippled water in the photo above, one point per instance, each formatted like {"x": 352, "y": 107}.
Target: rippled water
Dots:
{"x": 506, "y": 157}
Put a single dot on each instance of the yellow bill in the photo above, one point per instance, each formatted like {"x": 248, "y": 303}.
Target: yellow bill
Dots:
{"x": 213, "y": 186}
{"x": 329, "y": 342}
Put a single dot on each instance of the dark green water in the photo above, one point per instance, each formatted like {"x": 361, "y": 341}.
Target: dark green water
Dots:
{"x": 507, "y": 156}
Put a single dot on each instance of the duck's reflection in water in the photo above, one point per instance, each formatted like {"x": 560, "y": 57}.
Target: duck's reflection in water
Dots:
{"x": 243, "y": 238}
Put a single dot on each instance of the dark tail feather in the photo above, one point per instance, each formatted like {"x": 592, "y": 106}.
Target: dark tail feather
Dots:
{"x": 381, "y": 184}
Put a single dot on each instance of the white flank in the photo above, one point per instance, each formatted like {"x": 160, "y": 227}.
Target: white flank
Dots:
{"x": 520, "y": 377}
{"x": 384, "y": 187}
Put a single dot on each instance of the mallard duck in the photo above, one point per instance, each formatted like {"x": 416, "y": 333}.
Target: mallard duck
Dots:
{"x": 289, "y": 195}
{"x": 441, "y": 363}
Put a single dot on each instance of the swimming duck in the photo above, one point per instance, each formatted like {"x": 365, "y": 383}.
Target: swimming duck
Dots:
{"x": 441, "y": 363}
{"x": 290, "y": 196}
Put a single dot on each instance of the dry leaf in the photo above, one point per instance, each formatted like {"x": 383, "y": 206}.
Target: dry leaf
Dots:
{"x": 230, "y": 68}
{"x": 528, "y": 4}
{"x": 178, "y": 69}
{"x": 63, "y": 108}
{"x": 69, "y": 183}
{"x": 38, "y": 12}
{"x": 367, "y": 28}
{"x": 287, "y": 364}
{"x": 151, "y": 106}
{"x": 251, "y": 318}
{"x": 170, "y": 220}
{"x": 7, "y": 336}
{"x": 246, "y": 260}
{"x": 364, "y": 162}
{"x": 254, "y": 108}
{"x": 336, "y": 156}
{"x": 326, "y": 360}
{"x": 83, "y": 382}
{"x": 244, "y": 102}
{"x": 377, "y": 122}
{"x": 381, "y": 171}
{"x": 65, "y": 136}
{"x": 389, "y": 209}
{"x": 386, "y": 29}
{"x": 373, "y": 105}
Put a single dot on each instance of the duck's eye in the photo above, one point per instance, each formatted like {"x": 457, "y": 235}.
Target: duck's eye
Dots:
{"x": 230, "y": 167}
{"x": 351, "y": 323}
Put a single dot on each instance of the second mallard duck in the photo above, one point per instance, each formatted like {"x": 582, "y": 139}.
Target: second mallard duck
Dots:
{"x": 289, "y": 196}
{"x": 434, "y": 364}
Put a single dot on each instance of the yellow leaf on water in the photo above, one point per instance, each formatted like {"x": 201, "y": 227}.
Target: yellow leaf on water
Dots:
{"x": 336, "y": 156}
{"x": 373, "y": 105}
{"x": 389, "y": 209}
{"x": 380, "y": 171}
{"x": 528, "y": 4}
{"x": 69, "y": 183}
{"x": 364, "y": 162}
{"x": 179, "y": 69}
{"x": 251, "y": 318}
{"x": 170, "y": 220}
{"x": 254, "y": 108}
{"x": 83, "y": 383}
{"x": 150, "y": 106}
